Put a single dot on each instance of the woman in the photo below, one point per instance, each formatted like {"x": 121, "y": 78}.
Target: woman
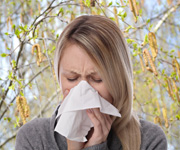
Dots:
{"x": 92, "y": 48}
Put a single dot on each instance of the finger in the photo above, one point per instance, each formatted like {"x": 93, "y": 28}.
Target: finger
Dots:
{"x": 108, "y": 121}
{"x": 100, "y": 130}
{"x": 101, "y": 126}
{"x": 95, "y": 121}
{"x": 100, "y": 116}
{"x": 65, "y": 94}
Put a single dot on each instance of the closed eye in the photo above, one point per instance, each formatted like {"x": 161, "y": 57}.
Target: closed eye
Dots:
{"x": 98, "y": 81}
{"x": 71, "y": 80}
{"x": 74, "y": 79}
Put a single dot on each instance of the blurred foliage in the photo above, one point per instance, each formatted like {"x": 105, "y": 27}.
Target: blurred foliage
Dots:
{"x": 28, "y": 33}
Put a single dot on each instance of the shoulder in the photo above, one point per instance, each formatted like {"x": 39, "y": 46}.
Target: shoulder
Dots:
{"x": 31, "y": 134}
{"x": 152, "y": 136}
{"x": 35, "y": 125}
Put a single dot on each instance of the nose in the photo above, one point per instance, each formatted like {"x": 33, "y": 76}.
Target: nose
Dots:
{"x": 83, "y": 79}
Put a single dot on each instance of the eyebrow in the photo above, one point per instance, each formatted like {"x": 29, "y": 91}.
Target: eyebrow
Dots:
{"x": 73, "y": 72}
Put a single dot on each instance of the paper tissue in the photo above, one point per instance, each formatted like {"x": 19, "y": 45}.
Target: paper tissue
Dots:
{"x": 74, "y": 122}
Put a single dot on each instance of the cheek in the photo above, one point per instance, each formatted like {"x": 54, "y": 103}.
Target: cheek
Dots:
{"x": 66, "y": 85}
{"x": 103, "y": 92}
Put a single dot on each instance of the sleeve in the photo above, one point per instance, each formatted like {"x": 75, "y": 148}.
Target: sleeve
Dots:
{"x": 22, "y": 142}
{"x": 153, "y": 138}
{"x": 102, "y": 146}
{"x": 158, "y": 140}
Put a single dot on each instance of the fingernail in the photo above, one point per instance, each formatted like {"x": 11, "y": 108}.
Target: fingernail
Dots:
{"x": 66, "y": 92}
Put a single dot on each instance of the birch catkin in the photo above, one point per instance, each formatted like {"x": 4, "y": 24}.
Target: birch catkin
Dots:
{"x": 72, "y": 16}
{"x": 115, "y": 16}
{"x": 178, "y": 53}
{"x": 7, "y": 22}
{"x": 176, "y": 90}
{"x": 39, "y": 56}
{"x": 141, "y": 62}
{"x": 122, "y": 2}
{"x": 145, "y": 59}
{"x": 39, "y": 8}
{"x": 164, "y": 111}
{"x": 176, "y": 66}
{"x": 23, "y": 108}
{"x": 133, "y": 8}
{"x": 147, "y": 56}
{"x": 130, "y": 5}
{"x": 169, "y": 88}
{"x": 153, "y": 44}
{"x": 169, "y": 2}
{"x": 81, "y": 5}
{"x": 157, "y": 119}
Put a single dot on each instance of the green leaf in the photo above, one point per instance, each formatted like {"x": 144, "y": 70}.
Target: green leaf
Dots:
{"x": 178, "y": 116}
{"x": 13, "y": 63}
{"x": 14, "y": 26}
{"x": 23, "y": 28}
{"x": 145, "y": 40}
{"x": 163, "y": 71}
{"x": 140, "y": 12}
{"x": 148, "y": 21}
{"x": 172, "y": 51}
{"x": 6, "y": 33}
{"x": 87, "y": 2}
{"x": 3, "y": 89}
{"x": 21, "y": 93}
{"x": 117, "y": 3}
{"x": 129, "y": 27}
{"x": 12, "y": 87}
{"x": 112, "y": 18}
{"x": 109, "y": 4}
{"x": 35, "y": 97}
{"x": 173, "y": 74}
{"x": 135, "y": 46}
{"x": 9, "y": 119}
{"x": 150, "y": 27}
{"x": 19, "y": 82}
{"x": 125, "y": 14}
{"x": 4, "y": 55}
{"x": 17, "y": 122}
{"x": 122, "y": 15}
{"x": 10, "y": 76}
{"x": 130, "y": 41}
{"x": 61, "y": 11}
{"x": 17, "y": 32}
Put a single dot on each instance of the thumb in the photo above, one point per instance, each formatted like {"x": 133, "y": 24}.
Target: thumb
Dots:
{"x": 65, "y": 94}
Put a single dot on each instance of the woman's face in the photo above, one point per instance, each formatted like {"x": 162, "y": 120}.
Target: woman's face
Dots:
{"x": 75, "y": 66}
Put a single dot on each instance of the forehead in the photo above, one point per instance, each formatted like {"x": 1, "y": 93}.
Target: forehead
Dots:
{"x": 76, "y": 59}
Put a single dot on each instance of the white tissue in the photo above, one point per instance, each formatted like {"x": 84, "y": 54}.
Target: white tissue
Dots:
{"x": 74, "y": 122}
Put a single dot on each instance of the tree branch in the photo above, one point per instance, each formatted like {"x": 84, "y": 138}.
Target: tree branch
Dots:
{"x": 166, "y": 15}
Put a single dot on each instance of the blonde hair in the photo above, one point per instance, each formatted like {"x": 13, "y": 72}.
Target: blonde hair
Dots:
{"x": 103, "y": 41}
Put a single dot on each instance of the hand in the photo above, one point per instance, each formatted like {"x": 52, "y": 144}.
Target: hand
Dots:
{"x": 102, "y": 125}
{"x": 98, "y": 134}
{"x": 72, "y": 145}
